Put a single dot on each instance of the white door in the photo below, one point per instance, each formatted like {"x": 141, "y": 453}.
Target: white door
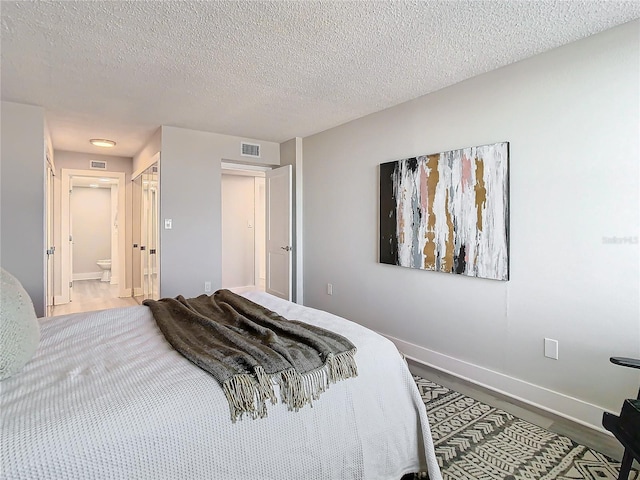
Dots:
{"x": 70, "y": 242}
{"x": 49, "y": 234}
{"x": 278, "y": 232}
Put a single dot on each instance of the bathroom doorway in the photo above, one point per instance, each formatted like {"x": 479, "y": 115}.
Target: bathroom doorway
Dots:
{"x": 92, "y": 225}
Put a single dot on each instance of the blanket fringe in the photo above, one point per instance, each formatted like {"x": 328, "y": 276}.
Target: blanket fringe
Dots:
{"x": 342, "y": 366}
{"x": 298, "y": 390}
{"x": 248, "y": 393}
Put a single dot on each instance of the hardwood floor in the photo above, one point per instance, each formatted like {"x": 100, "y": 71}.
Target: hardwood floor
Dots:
{"x": 90, "y": 295}
{"x": 591, "y": 438}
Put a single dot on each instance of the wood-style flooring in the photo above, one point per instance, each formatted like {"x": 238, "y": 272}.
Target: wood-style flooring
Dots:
{"x": 581, "y": 434}
{"x": 91, "y": 295}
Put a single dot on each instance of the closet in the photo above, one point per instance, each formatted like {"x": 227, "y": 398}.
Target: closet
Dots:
{"x": 146, "y": 232}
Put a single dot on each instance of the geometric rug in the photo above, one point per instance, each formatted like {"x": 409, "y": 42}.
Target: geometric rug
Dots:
{"x": 474, "y": 441}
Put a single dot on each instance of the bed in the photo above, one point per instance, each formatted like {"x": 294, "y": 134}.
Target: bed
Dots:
{"x": 106, "y": 397}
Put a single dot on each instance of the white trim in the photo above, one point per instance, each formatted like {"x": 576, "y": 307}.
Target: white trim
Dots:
{"x": 155, "y": 158}
{"x": 66, "y": 174}
{"x": 299, "y": 244}
{"x": 245, "y": 168}
{"x": 256, "y": 236}
{"x": 87, "y": 276}
{"x": 246, "y": 288}
{"x": 65, "y": 273}
{"x": 574, "y": 409}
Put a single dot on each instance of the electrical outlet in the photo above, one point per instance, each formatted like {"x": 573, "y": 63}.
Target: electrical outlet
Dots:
{"x": 207, "y": 287}
{"x": 551, "y": 348}
{"x": 329, "y": 289}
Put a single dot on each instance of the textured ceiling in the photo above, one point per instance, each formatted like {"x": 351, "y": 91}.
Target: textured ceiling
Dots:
{"x": 264, "y": 70}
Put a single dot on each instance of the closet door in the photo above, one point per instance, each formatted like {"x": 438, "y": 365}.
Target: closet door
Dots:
{"x": 136, "y": 222}
{"x": 153, "y": 233}
{"x": 149, "y": 234}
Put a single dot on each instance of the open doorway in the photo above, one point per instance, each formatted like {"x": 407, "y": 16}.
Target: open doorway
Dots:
{"x": 243, "y": 228}
{"x": 257, "y": 229}
{"x": 92, "y": 252}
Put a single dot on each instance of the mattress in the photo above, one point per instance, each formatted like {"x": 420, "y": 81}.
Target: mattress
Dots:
{"x": 106, "y": 397}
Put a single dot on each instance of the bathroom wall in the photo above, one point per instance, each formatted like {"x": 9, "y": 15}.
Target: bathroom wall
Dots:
{"x": 91, "y": 213}
{"x": 80, "y": 161}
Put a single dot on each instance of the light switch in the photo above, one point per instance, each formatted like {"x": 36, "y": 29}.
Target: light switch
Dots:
{"x": 167, "y": 224}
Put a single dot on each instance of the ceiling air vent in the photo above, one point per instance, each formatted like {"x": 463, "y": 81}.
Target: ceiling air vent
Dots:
{"x": 250, "y": 150}
{"x": 97, "y": 165}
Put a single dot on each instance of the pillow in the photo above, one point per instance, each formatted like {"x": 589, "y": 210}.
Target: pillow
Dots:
{"x": 19, "y": 327}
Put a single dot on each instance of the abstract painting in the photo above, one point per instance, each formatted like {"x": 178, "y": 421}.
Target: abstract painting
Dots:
{"x": 448, "y": 212}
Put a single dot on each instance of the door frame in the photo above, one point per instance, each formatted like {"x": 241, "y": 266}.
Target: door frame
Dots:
{"x": 65, "y": 248}
{"x": 255, "y": 172}
{"x": 49, "y": 235}
{"x": 230, "y": 167}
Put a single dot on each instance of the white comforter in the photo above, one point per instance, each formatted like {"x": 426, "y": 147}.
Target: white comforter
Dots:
{"x": 106, "y": 397}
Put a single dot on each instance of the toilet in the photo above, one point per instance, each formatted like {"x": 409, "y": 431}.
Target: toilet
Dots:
{"x": 105, "y": 265}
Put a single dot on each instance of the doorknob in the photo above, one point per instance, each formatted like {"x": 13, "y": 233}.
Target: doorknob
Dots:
{"x": 286, "y": 249}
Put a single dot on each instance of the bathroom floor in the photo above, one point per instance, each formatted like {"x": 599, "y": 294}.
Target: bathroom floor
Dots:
{"x": 90, "y": 295}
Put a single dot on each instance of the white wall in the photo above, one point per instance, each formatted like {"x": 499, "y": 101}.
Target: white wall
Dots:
{"x": 572, "y": 119}
{"x": 190, "y": 194}
{"x": 238, "y": 231}
{"x": 22, "y": 186}
{"x": 80, "y": 161}
{"x": 91, "y": 213}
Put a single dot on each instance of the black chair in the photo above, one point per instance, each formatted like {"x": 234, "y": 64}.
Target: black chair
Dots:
{"x": 626, "y": 426}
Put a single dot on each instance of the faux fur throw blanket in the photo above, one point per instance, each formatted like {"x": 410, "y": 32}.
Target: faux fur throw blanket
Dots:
{"x": 247, "y": 348}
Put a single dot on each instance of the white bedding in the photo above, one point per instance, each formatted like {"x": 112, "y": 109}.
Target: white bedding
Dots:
{"x": 106, "y": 397}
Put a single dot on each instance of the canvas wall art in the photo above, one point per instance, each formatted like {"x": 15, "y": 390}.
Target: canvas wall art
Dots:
{"x": 448, "y": 212}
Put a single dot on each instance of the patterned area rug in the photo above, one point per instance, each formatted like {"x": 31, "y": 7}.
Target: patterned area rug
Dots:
{"x": 474, "y": 441}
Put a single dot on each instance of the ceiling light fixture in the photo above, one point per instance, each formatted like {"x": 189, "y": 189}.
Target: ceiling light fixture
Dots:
{"x": 102, "y": 142}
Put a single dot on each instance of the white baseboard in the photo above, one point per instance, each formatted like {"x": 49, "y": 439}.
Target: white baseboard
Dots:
{"x": 126, "y": 293}
{"x": 87, "y": 276}
{"x": 113, "y": 280}
{"x": 60, "y": 300}
{"x": 246, "y": 288}
{"x": 574, "y": 409}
